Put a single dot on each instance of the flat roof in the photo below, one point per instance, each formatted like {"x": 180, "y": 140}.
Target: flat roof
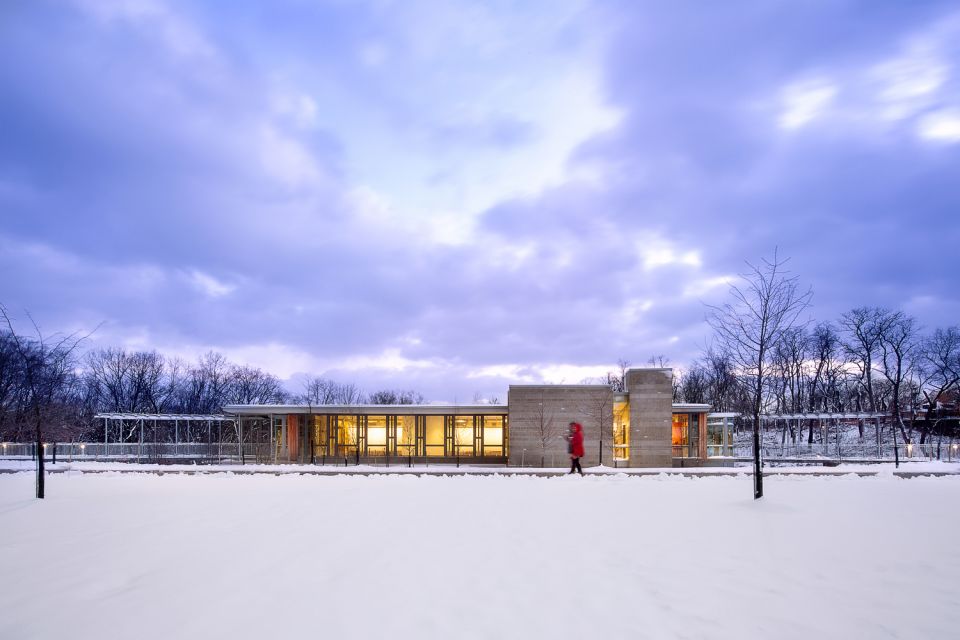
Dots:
{"x": 562, "y": 386}
{"x": 369, "y": 409}
{"x": 693, "y": 407}
{"x": 186, "y": 417}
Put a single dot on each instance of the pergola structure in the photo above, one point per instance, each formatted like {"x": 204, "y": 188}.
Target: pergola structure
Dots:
{"x": 822, "y": 416}
{"x": 201, "y": 435}
{"x": 140, "y": 420}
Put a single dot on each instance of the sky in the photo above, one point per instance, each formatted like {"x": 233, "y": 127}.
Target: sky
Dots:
{"x": 457, "y": 196}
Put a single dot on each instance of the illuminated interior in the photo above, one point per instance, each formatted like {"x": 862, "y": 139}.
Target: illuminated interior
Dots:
{"x": 376, "y": 435}
{"x": 621, "y": 431}
{"x": 320, "y": 435}
{"x": 433, "y": 440}
{"x": 686, "y": 435}
{"x": 436, "y": 436}
{"x": 463, "y": 435}
{"x": 406, "y": 436}
{"x": 681, "y": 434}
{"x": 493, "y": 436}
{"x": 347, "y": 435}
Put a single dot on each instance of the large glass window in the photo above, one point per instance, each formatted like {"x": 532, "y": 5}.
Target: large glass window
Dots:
{"x": 719, "y": 436}
{"x": 686, "y": 435}
{"x": 463, "y": 435}
{"x": 348, "y": 436}
{"x": 376, "y": 435}
{"x": 278, "y": 435}
{"x": 320, "y": 435}
{"x": 406, "y": 436}
{"x": 434, "y": 436}
{"x": 493, "y": 436}
{"x": 681, "y": 435}
{"x": 621, "y": 431}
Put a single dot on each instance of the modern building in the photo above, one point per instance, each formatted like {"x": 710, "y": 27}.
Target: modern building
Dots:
{"x": 639, "y": 427}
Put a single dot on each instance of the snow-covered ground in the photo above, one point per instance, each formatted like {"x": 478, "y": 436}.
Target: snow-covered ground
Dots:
{"x": 771, "y": 468}
{"x": 611, "y": 556}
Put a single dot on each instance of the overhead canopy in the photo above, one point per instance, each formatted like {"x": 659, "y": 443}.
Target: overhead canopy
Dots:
{"x": 166, "y": 416}
{"x": 822, "y": 416}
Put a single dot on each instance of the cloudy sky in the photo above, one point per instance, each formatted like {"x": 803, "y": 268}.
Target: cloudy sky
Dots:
{"x": 453, "y": 196}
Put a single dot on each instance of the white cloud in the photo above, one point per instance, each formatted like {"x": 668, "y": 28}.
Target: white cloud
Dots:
{"x": 541, "y": 374}
{"x": 208, "y": 285}
{"x": 804, "y": 101}
{"x": 940, "y": 126}
{"x": 662, "y": 254}
{"x": 702, "y": 286}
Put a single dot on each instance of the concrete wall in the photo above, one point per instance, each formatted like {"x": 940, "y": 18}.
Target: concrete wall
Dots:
{"x": 590, "y": 405}
{"x": 651, "y": 415}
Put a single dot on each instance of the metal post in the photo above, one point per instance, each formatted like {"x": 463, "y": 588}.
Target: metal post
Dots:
{"x": 876, "y": 420}
{"x": 240, "y": 432}
{"x": 140, "y": 444}
{"x": 726, "y": 438}
{"x": 176, "y": 437}
{"x": 273, "y": 444}
{"x": 757, "y": 460}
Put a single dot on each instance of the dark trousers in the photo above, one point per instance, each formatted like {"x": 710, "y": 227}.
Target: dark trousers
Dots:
{"x": 575, "y": 466}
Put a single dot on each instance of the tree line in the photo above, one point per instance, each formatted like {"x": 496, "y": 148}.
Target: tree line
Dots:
{"x": 869, "y": 360}
{"x": 76, "y": 387}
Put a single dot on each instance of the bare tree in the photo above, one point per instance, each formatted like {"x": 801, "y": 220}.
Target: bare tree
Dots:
{"x": 395, "y": 396}
{"x": 207, "y": 385}
{"x": 618, "y": 380}
{"x": 546, "y": 427}
{"x": 478, "y": 398}
{"x": 726, "y": 388}
{"x": 765, "y": 306}
{"x": 898, "y": 346}
{"x": 48, "y": 364}
{"x": 250, "y": 385}
{"x": 862, "y": 328}
{"x": 694, "y": 384}
{"x": 599, "y": 407}
{"x": 939, "y": 365}
{"x": 323, "y": 391}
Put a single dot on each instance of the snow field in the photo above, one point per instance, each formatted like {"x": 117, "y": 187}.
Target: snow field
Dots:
{"x": 223, "y": 556}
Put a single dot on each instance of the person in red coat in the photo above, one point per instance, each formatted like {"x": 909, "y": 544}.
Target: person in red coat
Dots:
{"x": 575, "y": 447}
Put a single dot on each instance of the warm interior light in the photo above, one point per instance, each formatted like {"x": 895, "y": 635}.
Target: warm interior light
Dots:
{"x": 376, "y": 436}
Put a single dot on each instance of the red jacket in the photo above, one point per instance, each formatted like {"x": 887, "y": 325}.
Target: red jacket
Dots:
{"x": 576, "y": 441}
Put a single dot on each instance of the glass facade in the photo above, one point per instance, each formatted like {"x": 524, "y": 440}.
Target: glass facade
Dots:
{"x": 719, "y": 436}
{"x": 321, "y": 436}
{"x": 406, "y": 435}
{"x": 463, "y": 435}
{"x": 621, "y": 430}
{"x": 348, "y": 436}
{"x": 686, "y": 435}
{"x": 433, "y": 436}
{"x": 494, "y": 436}
{"x": 376, "y": 435}
{"x": 680, "y": 435}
